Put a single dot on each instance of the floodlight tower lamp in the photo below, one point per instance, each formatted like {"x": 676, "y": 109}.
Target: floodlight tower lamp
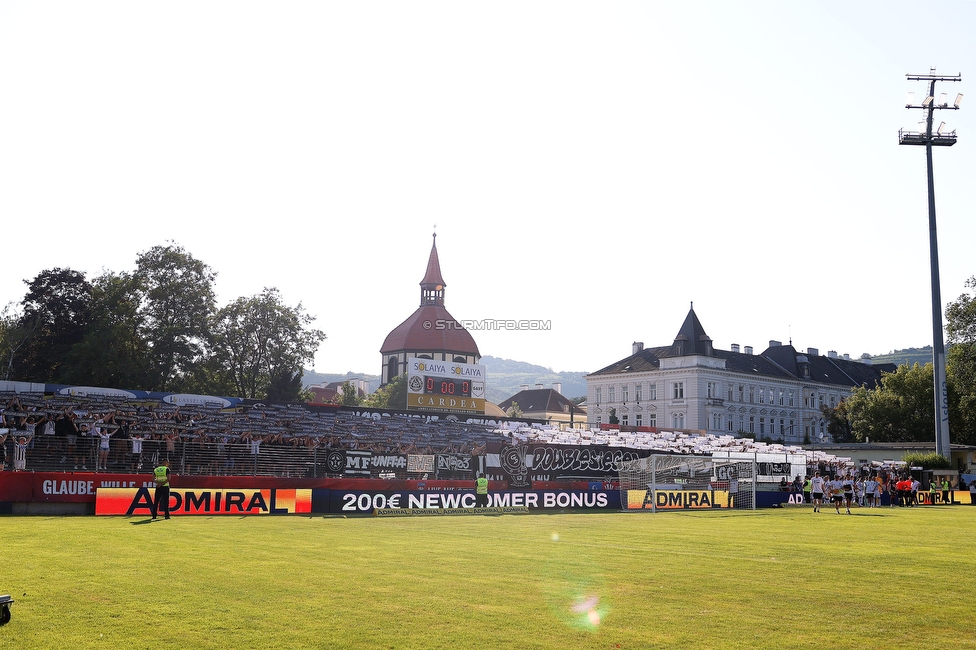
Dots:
{"x": 929, "y": 138}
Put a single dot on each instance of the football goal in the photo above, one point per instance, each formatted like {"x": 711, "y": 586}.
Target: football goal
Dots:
{"x": 669, "y": 482}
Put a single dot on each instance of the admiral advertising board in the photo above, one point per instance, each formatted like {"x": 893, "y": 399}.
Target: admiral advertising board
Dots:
{"x": 445, "y": 386}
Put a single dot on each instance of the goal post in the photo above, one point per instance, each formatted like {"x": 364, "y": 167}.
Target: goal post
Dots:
{"x": 671, "y": 482}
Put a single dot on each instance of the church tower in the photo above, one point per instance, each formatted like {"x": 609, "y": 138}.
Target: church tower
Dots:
{"x": 430, "y": 332}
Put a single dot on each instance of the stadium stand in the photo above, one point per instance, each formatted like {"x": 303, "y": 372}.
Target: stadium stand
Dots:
{"x": 294, "y": 440}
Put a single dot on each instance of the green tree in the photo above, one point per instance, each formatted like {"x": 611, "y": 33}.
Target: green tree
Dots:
{"x": 961, "y": 366}
{"x": 838, "y": 425}
{"x": 177, "y": 305}
{"x": 900, "y": 410}
{"x": 56, "y": 311}
{"x": 349, "y": 395}
{"x": 113, "y": 351}
{"x": 514, "y": 411}
{"x": 15, "y": 331}
{"x": 261, "y": 345}
{"x": 927, "y": 460}
{"x": 392, "y": 395}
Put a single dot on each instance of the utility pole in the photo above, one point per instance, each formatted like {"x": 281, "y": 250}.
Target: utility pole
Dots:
{"x": 928, "y": 138}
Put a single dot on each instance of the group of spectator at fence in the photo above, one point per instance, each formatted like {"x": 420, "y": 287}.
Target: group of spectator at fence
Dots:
{"x": 107, "y": 434}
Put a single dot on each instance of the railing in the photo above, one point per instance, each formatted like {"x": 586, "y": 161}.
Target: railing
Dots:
{"x": 53, "y": 454}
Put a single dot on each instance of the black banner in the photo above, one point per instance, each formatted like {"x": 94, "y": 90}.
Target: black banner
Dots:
{"x": 522, "y": 464}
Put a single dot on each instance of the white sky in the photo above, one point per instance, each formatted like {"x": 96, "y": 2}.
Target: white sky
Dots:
{"x": 598, "y": 165}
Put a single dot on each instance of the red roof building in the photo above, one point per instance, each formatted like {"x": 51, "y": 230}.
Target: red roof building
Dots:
{"x": 430, "y": 332}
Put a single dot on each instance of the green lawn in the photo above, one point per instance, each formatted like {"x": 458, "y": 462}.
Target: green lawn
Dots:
{"x": 777, "y": 578}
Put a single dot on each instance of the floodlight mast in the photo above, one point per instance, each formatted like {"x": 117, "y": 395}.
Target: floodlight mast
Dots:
{"x": 930, "y": 139}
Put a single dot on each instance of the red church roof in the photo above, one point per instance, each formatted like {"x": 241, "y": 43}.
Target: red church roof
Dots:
{"x": 430, "y": 328}
{"x": 433, "y": 274}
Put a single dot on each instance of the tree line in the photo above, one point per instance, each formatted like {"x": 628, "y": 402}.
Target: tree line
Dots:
{"x": 902, "y": 408}
{"x": 157, "y": 328}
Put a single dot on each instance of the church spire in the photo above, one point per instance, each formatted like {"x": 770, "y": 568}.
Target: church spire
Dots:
{"x": 432, "y": 286}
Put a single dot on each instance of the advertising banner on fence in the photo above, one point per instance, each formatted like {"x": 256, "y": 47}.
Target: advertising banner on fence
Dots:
{"x": 364, "y": 502}
{"x": 204, "y": 501}
{"x": 676, "y": 499}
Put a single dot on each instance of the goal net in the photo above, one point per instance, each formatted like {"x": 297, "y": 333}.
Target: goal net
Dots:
{"x": 667, "y": 482}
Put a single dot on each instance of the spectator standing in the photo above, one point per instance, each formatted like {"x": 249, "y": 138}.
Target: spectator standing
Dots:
{"x": 946, "y": 491}
{"x": 481, "y": 491}
{"x": 161, "y": 477}
{"x": 20, "y": 452}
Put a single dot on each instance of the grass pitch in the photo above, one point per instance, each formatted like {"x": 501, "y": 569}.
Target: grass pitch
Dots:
{"x": 779, "y": 578}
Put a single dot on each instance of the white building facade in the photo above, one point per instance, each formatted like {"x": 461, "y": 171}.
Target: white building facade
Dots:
{"x": 689, "y": 385}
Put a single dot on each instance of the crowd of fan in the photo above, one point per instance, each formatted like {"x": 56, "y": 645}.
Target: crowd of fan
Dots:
{"x": 113, "y": 434}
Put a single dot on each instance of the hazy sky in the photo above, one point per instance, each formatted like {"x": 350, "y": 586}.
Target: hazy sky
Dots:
{"x": 597, "y": 165}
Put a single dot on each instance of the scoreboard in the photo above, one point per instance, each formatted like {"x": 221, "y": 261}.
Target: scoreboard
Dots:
{"x": 445, "y": 386}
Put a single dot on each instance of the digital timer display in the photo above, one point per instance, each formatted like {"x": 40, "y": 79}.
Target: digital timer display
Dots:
{"x": 446, "y": 386}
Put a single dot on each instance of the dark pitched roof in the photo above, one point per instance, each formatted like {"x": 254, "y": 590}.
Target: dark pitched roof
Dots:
{"x": 433, "y": 274}
{"x": 780, "y": 361}
{"x": 691, "y": 338}
{"x": 537, "y": 400}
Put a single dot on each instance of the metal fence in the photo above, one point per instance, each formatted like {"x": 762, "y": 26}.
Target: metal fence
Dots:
{"x": 186, "y": 458}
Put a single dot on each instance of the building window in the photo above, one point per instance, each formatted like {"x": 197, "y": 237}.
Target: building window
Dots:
{"x": 678, "y": 390}
{"x": 741, "y": 395}
{"x": 599, "y": 393}
{"x": 752, "y": 424}
{"x": 762, "y": 395}
{"x": 752, "y": 394}
{"x": 652, "y": 391}
{"x": 678, "y": 420}
{"x": 639, "y": 392}
{"x": 712, "y": 390}
{"x": 791, "y": 398}
{"x": 638, "y": 419}
{"x": 623, "y": 420}
{"x": 762, "y": 426}
{"x": 652, "y": 420}
{"x": 625, "y": 392}
{"x": 731, "y": 426}
{"x": 716, "y": 421}
{"x": 611, "y": 390}
{"x": 730, "y": 392}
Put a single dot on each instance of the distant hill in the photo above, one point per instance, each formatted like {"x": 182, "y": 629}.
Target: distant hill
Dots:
{"x": 911, "y": 356}
{"x": 505, "y": 378}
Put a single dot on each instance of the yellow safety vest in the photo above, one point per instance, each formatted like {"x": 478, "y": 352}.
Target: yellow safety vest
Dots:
{"x": 481, "y": 486}
{"x": 160, "y": 474}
